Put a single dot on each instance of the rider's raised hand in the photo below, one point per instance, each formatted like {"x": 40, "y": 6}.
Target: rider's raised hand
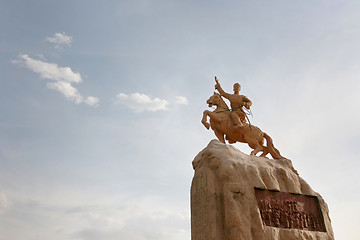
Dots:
{"x": 217, "y": 85}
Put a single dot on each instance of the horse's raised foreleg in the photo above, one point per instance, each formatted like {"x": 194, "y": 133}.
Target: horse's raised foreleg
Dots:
{"x": 204, "y": 119}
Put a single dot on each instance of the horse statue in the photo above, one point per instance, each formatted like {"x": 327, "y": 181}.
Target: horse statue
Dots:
{"x": 222, "y": 125}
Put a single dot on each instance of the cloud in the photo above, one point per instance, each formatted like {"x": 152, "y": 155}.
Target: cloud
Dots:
{"x": 139, "y": 102}
{"x": 92, "y": 217}
{"x": 92, "y": 101}
{"x": 142, "y": 219}
{"x": 60, "y": 39}
{"x": 4, "y": 203}
{"x": 65, "y": 88}
{"x": 62, "y": 77}
{"x": 49, "y": 70}
{"x": 182, "y": 100}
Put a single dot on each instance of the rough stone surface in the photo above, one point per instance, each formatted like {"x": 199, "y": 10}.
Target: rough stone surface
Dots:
{"x": 223, "y": 202}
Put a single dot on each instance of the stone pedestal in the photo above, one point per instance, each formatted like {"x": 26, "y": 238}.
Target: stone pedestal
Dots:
{"x": 235, "y": 196}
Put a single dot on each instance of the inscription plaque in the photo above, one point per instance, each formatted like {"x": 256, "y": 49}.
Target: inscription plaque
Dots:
{"x": 289, "y": 210}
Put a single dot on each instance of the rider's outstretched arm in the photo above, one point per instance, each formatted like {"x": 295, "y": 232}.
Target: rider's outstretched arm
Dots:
{"x": 221, "y": 91}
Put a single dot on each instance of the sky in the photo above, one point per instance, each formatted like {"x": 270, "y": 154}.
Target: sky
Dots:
{"x": 101, "y": 103}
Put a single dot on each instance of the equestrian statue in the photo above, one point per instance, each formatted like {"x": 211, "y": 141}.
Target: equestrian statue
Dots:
{"x": 234, "y": 125}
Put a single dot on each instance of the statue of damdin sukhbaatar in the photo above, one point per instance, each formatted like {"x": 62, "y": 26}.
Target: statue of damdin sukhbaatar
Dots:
{"x": 233, "y": 124}
{"x": 235, "y": 196}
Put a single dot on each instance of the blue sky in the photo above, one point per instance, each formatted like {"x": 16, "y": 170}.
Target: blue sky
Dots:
{"x": 102, "y": 102}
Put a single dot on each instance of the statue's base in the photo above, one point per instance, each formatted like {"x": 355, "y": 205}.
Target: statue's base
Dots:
{"x": 239, "y": 197}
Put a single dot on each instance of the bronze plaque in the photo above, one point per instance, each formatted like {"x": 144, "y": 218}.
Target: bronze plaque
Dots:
{"x": 289, "y": 210}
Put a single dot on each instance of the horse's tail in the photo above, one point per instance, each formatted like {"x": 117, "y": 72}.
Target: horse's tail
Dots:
{"x": 271, "y": 149}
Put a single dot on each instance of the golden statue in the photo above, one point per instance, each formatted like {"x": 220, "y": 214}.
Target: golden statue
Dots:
{"x": 231, "y": 124}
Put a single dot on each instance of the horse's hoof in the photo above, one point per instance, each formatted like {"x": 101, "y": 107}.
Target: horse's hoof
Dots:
{"x": 207, "y": 125}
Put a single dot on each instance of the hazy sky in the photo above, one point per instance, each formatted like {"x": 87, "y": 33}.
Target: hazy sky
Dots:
{"x": 102, "y": 102}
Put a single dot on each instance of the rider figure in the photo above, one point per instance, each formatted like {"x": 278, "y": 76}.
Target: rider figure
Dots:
{"x": 237, "y": 101}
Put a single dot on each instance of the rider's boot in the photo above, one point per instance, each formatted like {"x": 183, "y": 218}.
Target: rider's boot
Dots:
{"x": 236, "y": 120}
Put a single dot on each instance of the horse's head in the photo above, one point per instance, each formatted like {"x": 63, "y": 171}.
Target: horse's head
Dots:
{"x": 214, "y": 100}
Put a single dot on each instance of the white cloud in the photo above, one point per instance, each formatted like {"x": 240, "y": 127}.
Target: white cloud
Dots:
{"x": 49, "y": 70}
{"x": 62, "y": 76}
{"x": 89, "y": 216}
{"x": 182, "y": 100}
{"x": 60, "y": 39}
{"x": 72, "y": 93}
{"x": 139, "y": 102}
{"x": 4, "y": 202}
{"x": 92, "y": 101}
{"x": 138, "y": 220}
{"x": 65, "y": 88}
